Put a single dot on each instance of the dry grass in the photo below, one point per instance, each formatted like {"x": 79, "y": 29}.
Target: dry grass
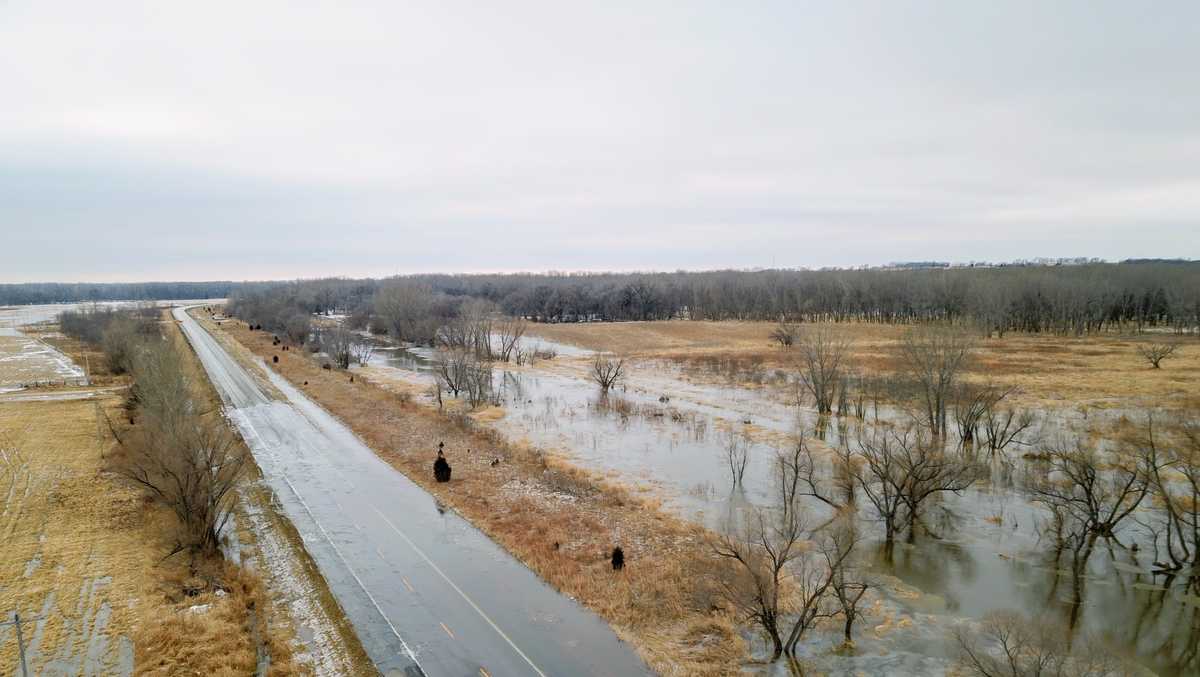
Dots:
{"x": 72, "y": 540}
{"x": 1094, "y": 371}
{"x": 88, "y": 553}
{"x": 76, "y": 545}
{"x": 663, "y": 603}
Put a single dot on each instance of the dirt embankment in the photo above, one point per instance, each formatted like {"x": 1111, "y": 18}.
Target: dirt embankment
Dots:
{"x": 559, "y": 520}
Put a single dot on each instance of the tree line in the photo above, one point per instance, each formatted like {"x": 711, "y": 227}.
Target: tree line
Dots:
{"x": 1065, "y": 300}
{"x": 57, "y": 292}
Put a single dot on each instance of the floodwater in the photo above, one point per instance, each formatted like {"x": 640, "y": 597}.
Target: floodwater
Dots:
{"x": 19, "y": 316}
{"x": 665, "y": 434}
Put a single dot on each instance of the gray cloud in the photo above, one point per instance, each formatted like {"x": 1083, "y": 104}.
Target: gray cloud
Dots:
{"x": 228, "y": 140}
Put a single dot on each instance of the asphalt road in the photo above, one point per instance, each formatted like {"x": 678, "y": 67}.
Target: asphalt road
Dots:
{"x": 426, "y": 592}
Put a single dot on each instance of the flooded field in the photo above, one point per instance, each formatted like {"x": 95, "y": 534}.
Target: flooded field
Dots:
{"x": 25, "y": 361}
{"x": 983, "y": 550}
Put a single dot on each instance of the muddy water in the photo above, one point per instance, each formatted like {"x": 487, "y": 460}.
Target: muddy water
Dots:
{"x": 982, "y": 554}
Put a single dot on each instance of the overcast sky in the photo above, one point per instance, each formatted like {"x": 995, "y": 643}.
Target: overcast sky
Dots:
{"x": 251, "y": 140}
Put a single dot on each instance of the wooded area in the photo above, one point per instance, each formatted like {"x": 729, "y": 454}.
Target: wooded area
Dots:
{"x": 1069, "y": 300}
{"x": 57, "y": 292}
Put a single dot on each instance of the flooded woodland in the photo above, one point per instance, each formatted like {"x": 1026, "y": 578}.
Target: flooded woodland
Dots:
{"x": 700, "y": 421}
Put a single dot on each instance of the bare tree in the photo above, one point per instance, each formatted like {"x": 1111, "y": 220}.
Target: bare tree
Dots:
{"x": 508, "y": 333}
{"x": 297, "y": 328}
{"x": 120, "y": 342}
{"x": 1156, "y": 352}
{"x": 1004, "y": 427}
{"x": 736, "y": 455}
{"x": 338, "y": 344}
{"x": 161, "y": 392}
{"x": 1172, "y": 459}
{"x": 783, "y": 569}
{"x": 899, "y": 472}
{"x": 838, "y": 493}
{"x": 763, "y": 544}
{"x": 1008, "y": 644}
{"x": 361, "y": 351}
{"x": 191, "y": 468}
{"x": 811, "y": 578}
{"x": 823, "y": 352}
{"x": 186, "y": 462}
{"x": 785, "y": 333}
{"x": 607, "y": 370}
{"x": 405, "y": 308}
{"x": 934, "y": 357}
{"x": 847, "y": 584}
{"x": 1097, "y": 491}
{"x": 461, "y": 373}
{"x": 971, "y": 403}
{"x": 450, "y": 370}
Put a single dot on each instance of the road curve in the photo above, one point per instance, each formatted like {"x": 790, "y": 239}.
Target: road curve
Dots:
{"x": 427, "y": 593}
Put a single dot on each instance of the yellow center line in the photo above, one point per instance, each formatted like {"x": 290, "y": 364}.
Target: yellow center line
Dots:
{"x": 407, "y": 584}
{"x": 462, "y": 594}
{"x": 447, "y": 631}
{"x": 484, "y": 673}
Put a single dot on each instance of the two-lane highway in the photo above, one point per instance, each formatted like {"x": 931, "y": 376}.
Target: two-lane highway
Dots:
{"x": 427, "y": 592}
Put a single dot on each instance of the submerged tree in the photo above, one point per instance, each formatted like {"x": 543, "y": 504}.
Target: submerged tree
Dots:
{"x": 782, "y": 569}
{"x": 1173, "y": 463}
{"x": 1008, "y": 644}
{"x": 935, "y": 358}
{"x": 736, "y": 454}
{"x": 900, "y": 471}
{"x": 1096, "y": 490}
{"x": 607, "y": 371}
{"x": 822, "y": 355}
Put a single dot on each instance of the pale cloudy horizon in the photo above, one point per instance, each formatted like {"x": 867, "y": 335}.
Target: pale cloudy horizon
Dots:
{"x": 147, "y": 141}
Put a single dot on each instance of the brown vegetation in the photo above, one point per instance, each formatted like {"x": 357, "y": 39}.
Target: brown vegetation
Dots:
{"x": 81, "y": 538}
{"x": 1094, "y": 371}
{"x": 664, "y": 602}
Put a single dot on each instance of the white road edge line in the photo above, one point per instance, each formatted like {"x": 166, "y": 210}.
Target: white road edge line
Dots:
{"x": 460, "y": 592}
{"x": 358, "y": 580}
{"x": 337, "y": 550}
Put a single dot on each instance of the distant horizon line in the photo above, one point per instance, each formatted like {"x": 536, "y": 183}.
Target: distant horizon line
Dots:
{"x": 581, "y": 272}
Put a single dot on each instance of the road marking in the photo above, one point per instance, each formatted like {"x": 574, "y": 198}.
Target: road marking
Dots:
{"x": 484, "y": 673}
{"x": 246, "y": 420}
{"x": 407, "y": 584}
{"x": 338, "y": 550}
{"x": 460, "y": 592}
{"x": 447, "y": 631}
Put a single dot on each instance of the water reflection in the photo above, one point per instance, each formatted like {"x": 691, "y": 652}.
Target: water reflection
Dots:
{"x": 973, "y": 553}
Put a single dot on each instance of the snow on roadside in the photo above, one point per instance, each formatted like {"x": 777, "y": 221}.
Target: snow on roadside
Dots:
{"x": 294, "y": 590}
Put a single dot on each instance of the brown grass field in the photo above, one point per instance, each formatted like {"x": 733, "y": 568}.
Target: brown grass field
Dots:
{"x": 1053, "y": 371}
{"x": 662, "y": 603}
{"x": 84, "y": 555}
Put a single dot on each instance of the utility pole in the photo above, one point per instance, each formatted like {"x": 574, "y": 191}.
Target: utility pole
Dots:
{"x": 16, "y": 622}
